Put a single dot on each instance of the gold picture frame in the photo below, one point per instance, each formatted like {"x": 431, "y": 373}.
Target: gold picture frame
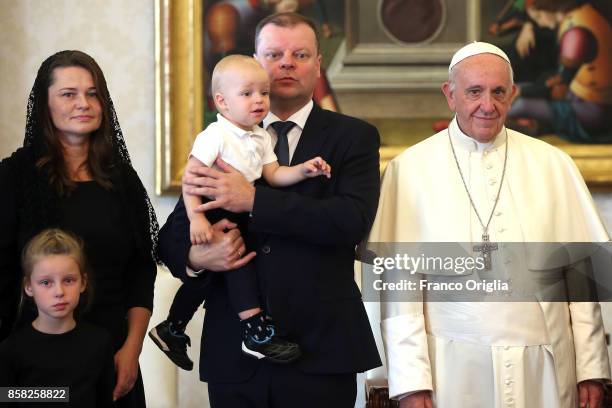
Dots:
{"x": 179, "y": 102}
{"x": 594, "y": 162}
{"x": 178, "y": 88}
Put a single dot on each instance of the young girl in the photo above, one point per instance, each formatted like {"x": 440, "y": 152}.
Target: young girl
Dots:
{"x": 55, "y": 350}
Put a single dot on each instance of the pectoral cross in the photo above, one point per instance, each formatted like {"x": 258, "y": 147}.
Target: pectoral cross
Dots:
{"x": 486, "y": 248}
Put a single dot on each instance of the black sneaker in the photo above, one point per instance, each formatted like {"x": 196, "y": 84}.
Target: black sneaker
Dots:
{"x": 271, "y": 348}
{"x": 174, "y": 344}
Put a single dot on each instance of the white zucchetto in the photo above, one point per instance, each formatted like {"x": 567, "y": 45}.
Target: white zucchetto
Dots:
{"x": 475, "y": 48}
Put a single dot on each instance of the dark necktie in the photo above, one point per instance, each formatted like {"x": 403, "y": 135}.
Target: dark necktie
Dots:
{"x": 282, "y": 145}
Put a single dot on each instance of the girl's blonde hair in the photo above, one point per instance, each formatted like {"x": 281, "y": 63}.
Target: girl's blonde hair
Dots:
{"x": 51, "y": 242}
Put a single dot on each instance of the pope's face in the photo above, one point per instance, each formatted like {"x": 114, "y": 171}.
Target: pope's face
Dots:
{"x": 290, "y": 56}
{"x": 480, "y": 95}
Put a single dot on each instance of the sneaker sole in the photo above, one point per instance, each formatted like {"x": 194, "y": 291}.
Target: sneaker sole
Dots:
{"x": 157, "y": 340}
{"x": 259, "y": 356}
{"x": 252, "y": 353}
{"x": 164, "y": 347}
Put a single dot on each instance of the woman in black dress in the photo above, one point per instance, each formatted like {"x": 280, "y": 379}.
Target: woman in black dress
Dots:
{"x": 74, "y": 173}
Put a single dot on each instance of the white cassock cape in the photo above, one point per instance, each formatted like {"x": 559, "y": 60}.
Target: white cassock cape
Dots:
{"x": 529, "y": 354}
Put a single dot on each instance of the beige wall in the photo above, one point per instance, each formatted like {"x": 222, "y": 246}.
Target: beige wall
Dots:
{"x": 120, "y": 36}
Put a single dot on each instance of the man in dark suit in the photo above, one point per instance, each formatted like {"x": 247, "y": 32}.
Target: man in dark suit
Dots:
{"x": 305, "y": 237}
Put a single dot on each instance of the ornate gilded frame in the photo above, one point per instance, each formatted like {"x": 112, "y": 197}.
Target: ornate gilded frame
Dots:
{"x": 179, "y": 101}
{"x": 594, "y": 162}
{"x": 178, "y": 88}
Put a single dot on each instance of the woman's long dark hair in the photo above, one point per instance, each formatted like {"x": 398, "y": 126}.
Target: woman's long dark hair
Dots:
{"x": 42, "y": 169}
{"x": 51, "y": 158}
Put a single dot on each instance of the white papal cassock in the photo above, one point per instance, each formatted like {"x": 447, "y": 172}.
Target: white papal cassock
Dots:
{"x": 529, "y": 354}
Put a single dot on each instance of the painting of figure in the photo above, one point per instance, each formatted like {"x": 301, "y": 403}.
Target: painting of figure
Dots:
{"x": 562, "y": 60}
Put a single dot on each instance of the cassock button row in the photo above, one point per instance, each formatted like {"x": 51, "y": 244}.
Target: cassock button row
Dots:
{"x": 265, "y": 249}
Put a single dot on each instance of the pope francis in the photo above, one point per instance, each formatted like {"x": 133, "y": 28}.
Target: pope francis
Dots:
{"x": 480, "y": 182}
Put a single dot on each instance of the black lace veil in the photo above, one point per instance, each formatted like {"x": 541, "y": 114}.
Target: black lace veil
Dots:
{"x": 34, "y": 140}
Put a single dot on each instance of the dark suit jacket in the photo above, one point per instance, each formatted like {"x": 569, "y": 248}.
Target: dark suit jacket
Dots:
{"x": 305, "y": 237}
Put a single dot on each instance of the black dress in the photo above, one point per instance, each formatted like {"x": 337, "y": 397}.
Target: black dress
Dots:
{"x": 80, "y": 359}
{"x": 109, "y": 222}
{"x": 119, "y": 277}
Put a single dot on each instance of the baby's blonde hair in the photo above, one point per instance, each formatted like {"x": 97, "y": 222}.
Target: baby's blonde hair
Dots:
{"x": 228, "y": 63}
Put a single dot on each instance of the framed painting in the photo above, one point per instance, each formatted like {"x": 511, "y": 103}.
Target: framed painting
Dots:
{"x": 368, "y": 59}
{"x": 190, "y": 37}
{"x": 532, "y": 34}
{"x": 178, "y": 88}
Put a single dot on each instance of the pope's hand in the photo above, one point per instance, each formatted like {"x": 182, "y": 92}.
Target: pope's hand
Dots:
{"x": 421, "y": 399}
{"x": 590, "y": 392}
